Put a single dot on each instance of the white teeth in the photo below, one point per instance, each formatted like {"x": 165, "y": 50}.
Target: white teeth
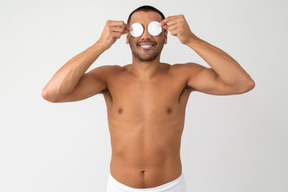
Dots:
{"x": 146, "y": 46}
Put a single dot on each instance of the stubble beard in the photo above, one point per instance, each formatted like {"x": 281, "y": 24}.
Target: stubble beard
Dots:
{"x": 147, "y": 58}
{"x": 141, "y": 58}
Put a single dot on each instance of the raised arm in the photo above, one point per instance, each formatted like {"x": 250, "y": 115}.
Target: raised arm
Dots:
{"x": 225, "y": 76}
{"x": 71, "y": 83}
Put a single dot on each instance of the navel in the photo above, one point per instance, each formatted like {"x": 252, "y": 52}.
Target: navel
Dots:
{"x": 120, "y": 110}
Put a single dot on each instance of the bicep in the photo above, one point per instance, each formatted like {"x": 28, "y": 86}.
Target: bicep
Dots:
{"x": 206, "y": 80}
{"x": 90, "y": 84}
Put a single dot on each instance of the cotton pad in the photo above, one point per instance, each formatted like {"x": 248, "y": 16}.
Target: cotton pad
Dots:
{"x": 137, "y": 30}
{"x": 154, "y": 28}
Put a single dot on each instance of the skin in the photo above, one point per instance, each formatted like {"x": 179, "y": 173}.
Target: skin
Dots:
{"x": 146, "y": 100}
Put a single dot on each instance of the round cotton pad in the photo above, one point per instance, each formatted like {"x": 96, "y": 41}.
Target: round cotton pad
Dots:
{"x": 154, "y": 28}
{"x": 137, "y": 30}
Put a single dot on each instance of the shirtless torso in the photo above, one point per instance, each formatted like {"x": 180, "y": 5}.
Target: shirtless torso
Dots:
{"x": 146, "y": 100}
{"x": 146, "y": 120}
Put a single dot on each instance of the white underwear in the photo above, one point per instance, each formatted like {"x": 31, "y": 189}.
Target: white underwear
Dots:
{"x": 177, "y": 185}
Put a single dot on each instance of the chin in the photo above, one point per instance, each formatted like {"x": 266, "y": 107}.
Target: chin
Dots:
{"x": 145, "y": 58}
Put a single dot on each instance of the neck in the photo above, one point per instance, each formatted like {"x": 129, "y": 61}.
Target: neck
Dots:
{"x": 145, "y": 69}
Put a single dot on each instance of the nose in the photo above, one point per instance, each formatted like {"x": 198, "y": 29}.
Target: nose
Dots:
{"x": 146, "y": 34}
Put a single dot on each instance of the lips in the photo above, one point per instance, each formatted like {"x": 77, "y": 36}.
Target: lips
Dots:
{"x": 146, "y": 44}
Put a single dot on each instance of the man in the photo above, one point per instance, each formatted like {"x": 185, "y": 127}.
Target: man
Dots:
{"x": 146, "y": 100}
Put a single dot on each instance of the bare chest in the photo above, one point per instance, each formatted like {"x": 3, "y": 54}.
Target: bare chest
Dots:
{"x": 165, "y": 96}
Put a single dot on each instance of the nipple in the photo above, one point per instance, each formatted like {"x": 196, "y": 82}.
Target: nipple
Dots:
{"x": 169, "y": 110}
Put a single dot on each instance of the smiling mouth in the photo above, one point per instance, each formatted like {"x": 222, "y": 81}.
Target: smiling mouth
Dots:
{"x": 146, "y": 44}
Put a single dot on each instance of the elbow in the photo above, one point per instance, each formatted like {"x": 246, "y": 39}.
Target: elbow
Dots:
{"x": 247, "y": 85}
{"x": 252, "y": 84}
{"x": 48, "y": 96}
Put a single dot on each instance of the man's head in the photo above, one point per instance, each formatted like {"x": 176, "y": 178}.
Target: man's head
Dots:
{"x": 146, "y": 47}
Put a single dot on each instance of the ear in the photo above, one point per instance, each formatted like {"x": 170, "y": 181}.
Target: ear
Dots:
{"x": 165, "y": 36}
{"x": 127, "y": 36}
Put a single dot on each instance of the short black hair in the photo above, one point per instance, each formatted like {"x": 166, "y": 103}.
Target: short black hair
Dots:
{"x": 145, "y": 8}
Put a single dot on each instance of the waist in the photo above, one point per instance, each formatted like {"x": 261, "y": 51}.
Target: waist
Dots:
{"x": 148, "y": 172}
{"x": 177, "y": 184}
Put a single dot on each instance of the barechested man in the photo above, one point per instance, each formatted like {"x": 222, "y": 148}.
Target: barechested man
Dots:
{"x": 146, "y": 100}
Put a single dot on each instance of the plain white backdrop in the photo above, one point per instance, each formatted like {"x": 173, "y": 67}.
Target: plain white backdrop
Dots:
{"x": 230, "y": 143}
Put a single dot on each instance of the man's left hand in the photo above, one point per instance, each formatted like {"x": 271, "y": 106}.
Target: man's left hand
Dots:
{"x": 178, "y": 26}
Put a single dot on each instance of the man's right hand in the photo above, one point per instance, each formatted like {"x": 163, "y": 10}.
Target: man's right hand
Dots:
{"x": 111, "y": 32}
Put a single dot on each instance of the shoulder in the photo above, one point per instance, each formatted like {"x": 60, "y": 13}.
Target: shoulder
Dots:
{"x": 106, "y": 70}
{"x": 187, "y": 68}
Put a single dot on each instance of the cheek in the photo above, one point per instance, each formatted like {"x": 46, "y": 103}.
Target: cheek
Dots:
{"x": 131, "y": 42}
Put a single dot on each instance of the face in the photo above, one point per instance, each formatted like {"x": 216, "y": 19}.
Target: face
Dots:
{"x": 146, "y": 47}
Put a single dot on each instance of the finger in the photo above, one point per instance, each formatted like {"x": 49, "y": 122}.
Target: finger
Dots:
{"x": 172, "y": 22}
{"x": 127, "y": 29}
{"x": 116, "y": 23}
{"x": 168, "y": 19}
{"x": 169, "y": 25}
{"x": 172, "y": 27}
{"x": 117, "y": 29}
{"x": 174, "y": 32}
{"x": 115, "y": 35}
{"x": 119, "y": 24}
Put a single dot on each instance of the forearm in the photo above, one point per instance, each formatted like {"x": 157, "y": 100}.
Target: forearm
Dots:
{"x": 228, "y": 70}
{"x": 67, "y": 77}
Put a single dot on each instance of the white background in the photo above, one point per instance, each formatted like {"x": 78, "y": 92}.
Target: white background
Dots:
{"x": 230, "y": 143}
